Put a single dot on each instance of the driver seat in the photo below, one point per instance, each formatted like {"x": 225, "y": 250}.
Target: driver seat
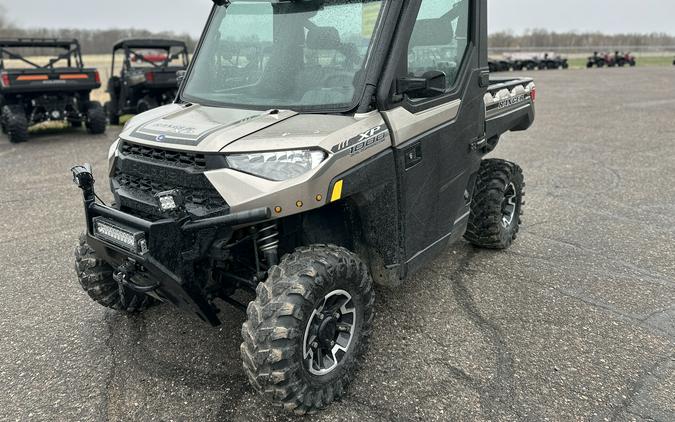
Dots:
{"x": 320, "y": 39}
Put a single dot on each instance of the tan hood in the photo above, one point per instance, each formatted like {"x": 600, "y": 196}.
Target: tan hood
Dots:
{"x": 198, "y": 128}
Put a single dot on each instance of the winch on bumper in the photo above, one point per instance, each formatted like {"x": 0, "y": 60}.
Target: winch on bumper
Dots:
{"x": 157, "y": 258}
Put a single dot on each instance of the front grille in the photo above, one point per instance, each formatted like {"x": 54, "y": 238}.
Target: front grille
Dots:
{"x": 142, "y": 172}
{"x": 207, "y": 198}
{"x": 166, "y": 157}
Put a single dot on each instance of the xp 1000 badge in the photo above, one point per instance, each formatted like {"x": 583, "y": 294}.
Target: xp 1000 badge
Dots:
{"x": 362, "y": 141}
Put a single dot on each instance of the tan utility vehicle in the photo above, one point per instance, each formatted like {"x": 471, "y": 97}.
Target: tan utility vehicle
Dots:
{"x": 315, "y": 146}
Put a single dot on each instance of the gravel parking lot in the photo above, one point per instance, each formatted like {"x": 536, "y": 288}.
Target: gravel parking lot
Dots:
{"x": 575, "y": 322}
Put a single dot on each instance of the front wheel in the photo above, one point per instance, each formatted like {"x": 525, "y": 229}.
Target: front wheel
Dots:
{"x": 307, "y": 328}
{"x": 111, "y": 112}
{"x": 96, "y": 118}
{"x": 497, "y": 205}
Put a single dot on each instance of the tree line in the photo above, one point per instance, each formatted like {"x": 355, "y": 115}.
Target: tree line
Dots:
{"x": 542, "y": 38}
{"x": 92, "y": 41}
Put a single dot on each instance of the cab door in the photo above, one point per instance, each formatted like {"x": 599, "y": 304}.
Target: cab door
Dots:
{"x": 435, "y": 133}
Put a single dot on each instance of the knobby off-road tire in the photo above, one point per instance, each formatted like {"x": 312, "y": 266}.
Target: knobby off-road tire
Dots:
{"x": 15, "y": 124}
{"x": 96, "y": 118}
{"x": 280, "y": 352}
{"x": 497, "y": 205}
{"x": 96, "y": 278}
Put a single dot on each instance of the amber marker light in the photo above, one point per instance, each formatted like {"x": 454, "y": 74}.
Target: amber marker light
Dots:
{"x": 32, "y": 78}
{"x": 74, "y": 76}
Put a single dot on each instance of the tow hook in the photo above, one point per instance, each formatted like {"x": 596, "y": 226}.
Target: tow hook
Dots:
{"x": 123, "y": 277}
{"x": 124, "y": 273}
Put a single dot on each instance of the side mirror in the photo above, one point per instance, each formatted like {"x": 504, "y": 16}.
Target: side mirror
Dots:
{"x": 180, "y": 76}
{"x": 431, "y": 84}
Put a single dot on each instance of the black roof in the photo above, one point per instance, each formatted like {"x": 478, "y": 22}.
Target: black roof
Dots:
{"x": 38, "y": 42}
{"x": 148, "y": 43}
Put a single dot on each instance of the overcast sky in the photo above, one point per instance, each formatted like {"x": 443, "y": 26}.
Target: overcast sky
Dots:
{"x": 609, "y": 16}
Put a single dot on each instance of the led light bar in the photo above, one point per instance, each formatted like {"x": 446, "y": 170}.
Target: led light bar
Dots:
{"x": 129, "y": 239}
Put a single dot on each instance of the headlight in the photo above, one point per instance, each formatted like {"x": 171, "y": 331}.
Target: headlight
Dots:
{"x": 277, "y": 166}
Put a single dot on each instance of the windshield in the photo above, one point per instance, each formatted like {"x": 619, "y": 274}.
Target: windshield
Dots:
{"x": 293, "y": 55}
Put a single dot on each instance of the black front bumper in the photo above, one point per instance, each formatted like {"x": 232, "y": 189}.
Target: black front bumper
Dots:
{"x": 165, "y": 269}
{"x": 151, "y": 275}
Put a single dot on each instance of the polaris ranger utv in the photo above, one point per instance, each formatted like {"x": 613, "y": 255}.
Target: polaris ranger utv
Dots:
{"x": 354, "y": 156}
{"x": 32, "y": 92}
{"x": 148, "y": 77}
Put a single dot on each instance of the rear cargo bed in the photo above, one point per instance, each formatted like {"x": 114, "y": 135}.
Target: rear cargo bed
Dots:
{"x": 509, "y": 105}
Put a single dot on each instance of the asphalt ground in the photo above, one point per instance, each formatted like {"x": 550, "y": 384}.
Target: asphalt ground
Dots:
{"x": 575, "y": 322}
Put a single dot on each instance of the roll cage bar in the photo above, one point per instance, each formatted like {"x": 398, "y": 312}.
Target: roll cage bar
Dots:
{"x": 73, "y": 53}
{"x": 130, "y": 47}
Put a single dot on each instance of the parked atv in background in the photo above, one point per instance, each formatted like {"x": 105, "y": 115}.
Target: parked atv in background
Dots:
{"x": 611, "y": 60}
{"x": 624, "y": 59}
{"x": 500, "y": 65}
{"x": 526, "y": 64}
{"x": 148, "y": 75}
{"x": 58, "y": 90}
{"x": 600, "y": 60}
{"x": 556, "y": 62}
{"x": 353, "y": 156}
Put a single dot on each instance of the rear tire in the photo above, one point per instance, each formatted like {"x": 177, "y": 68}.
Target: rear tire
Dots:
{"x": 497, "y": 205}
{"x": 96, "y": 118}
{"x": 96, "y": 278}
{"x": 314, "y": 305}
{"x": 16, "y": 124}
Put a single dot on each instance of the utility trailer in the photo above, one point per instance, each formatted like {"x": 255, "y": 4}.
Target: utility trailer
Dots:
{"x": 354, "y": 157}
{"x": 147, "y": 77}
{"x": 58, "y": 90}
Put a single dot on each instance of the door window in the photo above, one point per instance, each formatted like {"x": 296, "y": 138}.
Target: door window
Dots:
{"x": 439, "y": 39}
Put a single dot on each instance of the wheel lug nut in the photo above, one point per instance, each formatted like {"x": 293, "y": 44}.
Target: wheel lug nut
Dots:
{"x": 321, "y": 317}
{"x": 332, "y": 343}
{"x": 336, "y": 315}
{"x": 315, "y": 345}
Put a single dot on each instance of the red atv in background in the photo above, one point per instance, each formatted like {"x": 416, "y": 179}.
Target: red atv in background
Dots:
{"x": 624, "y": 59}
{"x": 611, "y": 60}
